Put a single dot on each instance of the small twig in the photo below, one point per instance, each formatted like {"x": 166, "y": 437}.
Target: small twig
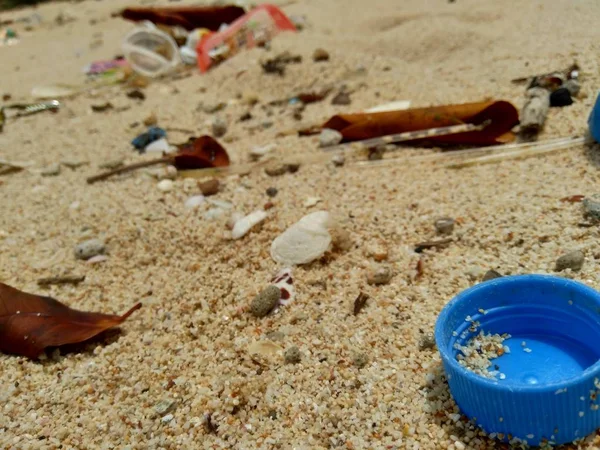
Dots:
{"x": 432, "y": 244}
{"x": 65, "y": 279}
{"x": 360, "y": 302}
{"x": 129, "y": 168}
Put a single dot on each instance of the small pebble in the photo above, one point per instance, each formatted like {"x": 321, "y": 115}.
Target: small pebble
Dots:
{"x": 90, "y": 248}
{"x": 275, "y": 170}
{"x": 360, "y": 360}
{"x": 426, "y": 341}
{"x": 219, "y": 126}
{"x": 265, "y": 301}
{"x": 164, "y": 173}
{"x": 591, "y": 206}
{"x": 292, "y": 355}
{"x": 383, "y": 275}
{"x": 211, "y": 108}
{"x": 273, "y": 414}
{"x": 377, "y": 153}
{"x": 491, "y": 274}
{"x": 474, "y": 273}
{"x": 165, "y": 185}
{"x": 342, "y": 98}
{"x": 276, "y": 336}
{"x": 210, "y": 187}
{"x": 329, "y": 137}
{"x": 444, "y": 225}
{"x": 320, "y": 55}
{"x": 167, "y": 418}
{"x": 150, "y": 120}
{"x": 572, "y": 260}
{"x": 338, "y": 160}
{"x": 194, "y": 201}
{"x": 293, "y": 167}
{"x": 561, "y": 97}
{"x": 271, "y": 192}
{"x": 51, "y": 171}
{"x": 341, "y": 239}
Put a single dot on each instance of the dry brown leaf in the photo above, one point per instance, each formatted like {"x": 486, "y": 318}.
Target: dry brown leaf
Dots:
{"x": 29, "y": 323}
{"x": 503, "y": 116}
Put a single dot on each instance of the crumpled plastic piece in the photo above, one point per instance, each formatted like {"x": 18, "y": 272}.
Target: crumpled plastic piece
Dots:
{"x": 303, "y": 242}
{"x": 153, "y": 134}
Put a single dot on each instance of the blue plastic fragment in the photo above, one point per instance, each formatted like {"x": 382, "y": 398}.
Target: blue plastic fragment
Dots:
{"x": 548, "y": 386}
{"x": 153, "y": 134}
{"x": 594, "y": 120}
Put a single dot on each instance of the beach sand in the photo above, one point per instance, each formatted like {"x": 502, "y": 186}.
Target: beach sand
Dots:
{"x": 182, "y": 374}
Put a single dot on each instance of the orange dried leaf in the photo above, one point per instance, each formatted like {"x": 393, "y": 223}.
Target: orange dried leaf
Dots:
{"x": 201, "y": 153}
{"x": 503, "y": 116}
{"x": 29, "y": 323}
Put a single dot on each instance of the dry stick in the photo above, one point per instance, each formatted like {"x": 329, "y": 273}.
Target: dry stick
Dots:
{"x": 533, "y": 114}
{"x": 129, "y": 168}
{"x": 64, "y": 279}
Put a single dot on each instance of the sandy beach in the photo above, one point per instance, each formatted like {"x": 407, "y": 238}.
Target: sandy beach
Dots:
{"x": 184, "y": 372}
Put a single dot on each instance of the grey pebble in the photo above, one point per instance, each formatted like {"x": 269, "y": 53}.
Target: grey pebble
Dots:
{"x": 265, "y": 301}
{"x": 591, "y": 206}
{"x": 219, "y": 126}
{"x": 491, "y": 274}
{"x": 426, "y": 341}
{"x": 51, "y": 171}
{"x": 383, "y": 275}
{"x": 271, "y": 192}
{"x": 273, "y": 414}
{"x": 89, "y": 249}
{"x": 444, "y": 225}
{"x": 343, "y": 98}
{"x": 329, "y": 137}
{"x": 360, "y": 360}
{"x": 572, "y": 260}
{"x": 292, "y": 355}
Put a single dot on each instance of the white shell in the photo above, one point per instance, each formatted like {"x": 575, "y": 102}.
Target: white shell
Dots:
{"x": 303, "y": 242}
{"x": 244, "y": 225}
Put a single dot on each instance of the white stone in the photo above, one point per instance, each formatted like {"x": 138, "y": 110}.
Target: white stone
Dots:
{"x": 165, "y": 185}
{"x": 244, "y": 225}
{"x": 194, "y": 201}
{"x": 303, "y": 242}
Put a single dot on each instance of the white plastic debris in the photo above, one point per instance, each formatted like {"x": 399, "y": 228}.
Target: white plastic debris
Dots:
{"x": 159, "y": 146}
{"x": 303, "y": 242}
{"x": 244, "y": 225}
{"x": 194, "y": 201}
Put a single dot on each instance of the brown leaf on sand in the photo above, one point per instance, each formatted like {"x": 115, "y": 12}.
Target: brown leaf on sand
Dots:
{"x": 198, "y": 153}
{"x": 29, "y": 323}
{"x": 502, "y": 115}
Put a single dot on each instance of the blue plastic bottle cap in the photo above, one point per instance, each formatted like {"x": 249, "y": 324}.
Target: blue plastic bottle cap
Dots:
{"x": 549, "y": 390}
{"x": 594, "y": 120}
